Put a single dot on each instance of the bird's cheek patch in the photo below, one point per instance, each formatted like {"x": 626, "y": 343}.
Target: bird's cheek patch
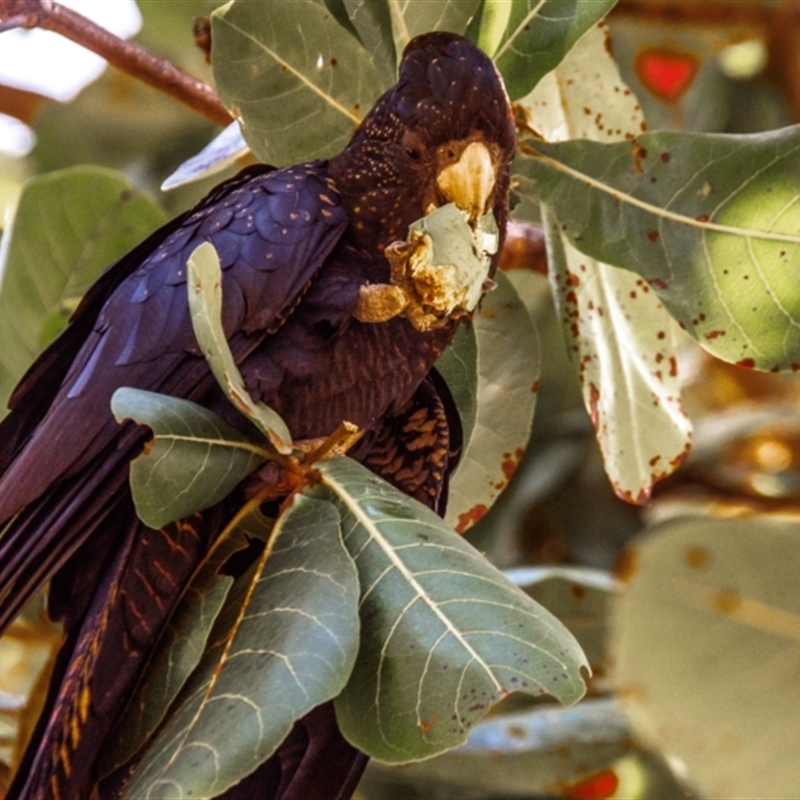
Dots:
{"x": 439, "y": 274}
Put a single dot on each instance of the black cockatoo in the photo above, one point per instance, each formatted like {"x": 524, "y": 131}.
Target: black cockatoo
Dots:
{"x": 296, "y": 246}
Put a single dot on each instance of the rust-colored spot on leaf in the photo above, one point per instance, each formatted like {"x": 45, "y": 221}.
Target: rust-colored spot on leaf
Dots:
{"x": 652, "y": 236}
{"x": 746, "y": 363}
{"x": 511, "y": 462}
{"x": 573, "y": 279}
{"x": 714, "y": 334}
{"x": 598, "y": 786}
{"x": 428, "y": 726}
{"x": 470, "y": 517}
{"x": 665, "y": 158}
{"x": 641, "y": 499}
{"x": 627, "y": 564}
{"x": 673, "y": 367}
{"x": 658, "y": 283}
{"x": 726, "y": 602}
{"x": 594, "y": 400}
{"x": 578, "y": 592}
{"x": 702, "y": 217}
{"x": 697, "y": 558}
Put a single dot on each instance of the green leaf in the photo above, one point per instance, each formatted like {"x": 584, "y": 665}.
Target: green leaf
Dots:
{"x": 505, "y": 374}
{"x": 182, "y": 644}
{"x": 709, "y": 221}
{"x": 68, "y": 227}
{"x": 413, "y": 17}
{"x": 705, "y": 650}
{"x": 194, "y": 460}
{"x": 444, "y": 634}
{"x": 204, "y": 285}
{"x": 372, "y": 20}
{"x": 284, "y": 643}
{"x": 295, "y": 78}
{"x": 619, "y": 337}
{"x": 458, "y": 365}
{"x": 520, "y": 755}
{"x": 538, "y": 35}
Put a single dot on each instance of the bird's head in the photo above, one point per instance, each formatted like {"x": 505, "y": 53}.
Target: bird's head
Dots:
{"x": 444, "y": 133}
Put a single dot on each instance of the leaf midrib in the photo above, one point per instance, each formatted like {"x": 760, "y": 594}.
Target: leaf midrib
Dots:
{"x": 375, "y": 534}
{"x": 657, "y": 211}
{"x": 297, "y": 74}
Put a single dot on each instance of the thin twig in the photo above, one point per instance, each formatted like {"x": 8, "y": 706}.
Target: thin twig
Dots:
{"x": 126, "y": 56}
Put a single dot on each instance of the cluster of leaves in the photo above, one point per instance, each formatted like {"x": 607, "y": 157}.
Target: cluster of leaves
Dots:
{"x": 677, "y": 211}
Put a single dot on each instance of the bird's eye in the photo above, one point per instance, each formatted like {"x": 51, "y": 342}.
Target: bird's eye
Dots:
{"x": 412, "y": 145}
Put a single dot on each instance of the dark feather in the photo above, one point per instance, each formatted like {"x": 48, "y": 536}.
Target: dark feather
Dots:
{"x": 296, "y": 245}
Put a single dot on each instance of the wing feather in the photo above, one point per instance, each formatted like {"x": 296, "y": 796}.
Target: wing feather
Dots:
{"x": 134, "y": 329}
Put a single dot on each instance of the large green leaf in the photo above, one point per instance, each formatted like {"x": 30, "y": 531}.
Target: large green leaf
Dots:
{"x": 412, "y": 17}
{"x": 619, "y": 336}
{"x": 295, "y": 78}
{"x": 444, "y": 634}
{"x": 709, "y": 221}
{"x": 204, "y": 285}
{"x": 372, "y": 20}
{"x": 537, "y": 35}
{"x": 194, "y": 460}
{"x": 68, "y": 227}
{"x": 705, "y": 645}
{"x": 182, "y": 644}
{"x": 496, "y": 362}
{"x": 284, "y": 643}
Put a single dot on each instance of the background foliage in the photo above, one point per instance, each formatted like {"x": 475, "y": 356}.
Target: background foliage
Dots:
{"x": 692, "y": 626}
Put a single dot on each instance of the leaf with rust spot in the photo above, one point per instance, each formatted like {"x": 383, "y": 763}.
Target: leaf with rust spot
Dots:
{"x": 444, "y": 634}
{"x": 709, "y": 221}
{"x": 491, "y": 368}
{"x": 619, "y": 336}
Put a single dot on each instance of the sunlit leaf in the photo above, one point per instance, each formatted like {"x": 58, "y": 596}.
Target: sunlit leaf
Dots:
{"x": 295, "y": 78}
{"x": 68, "y": 227}
{"x": 194, "y": 460}
{"x": 181, "y": 646}
{"x": 204, "y": 285}
{"x": 284, "y": 643}
{"x": 709, "y": 221}
{"x": 444, "y": 634}
{"x": 222, "y": 151}
{"x": 505, "y": 377}
{"x": 538, "y": 34}
{"x": 706, "y": 642}
{"x": 619, "y": 336}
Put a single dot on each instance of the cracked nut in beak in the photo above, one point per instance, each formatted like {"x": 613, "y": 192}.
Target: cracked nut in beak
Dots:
{"x": 469, "y": 181}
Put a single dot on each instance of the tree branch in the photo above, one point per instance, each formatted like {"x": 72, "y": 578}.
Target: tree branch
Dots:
{"x": 124, "y": 55}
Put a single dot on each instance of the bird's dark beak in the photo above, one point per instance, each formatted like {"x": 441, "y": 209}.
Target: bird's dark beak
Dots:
{"x": 469, "y": 181}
